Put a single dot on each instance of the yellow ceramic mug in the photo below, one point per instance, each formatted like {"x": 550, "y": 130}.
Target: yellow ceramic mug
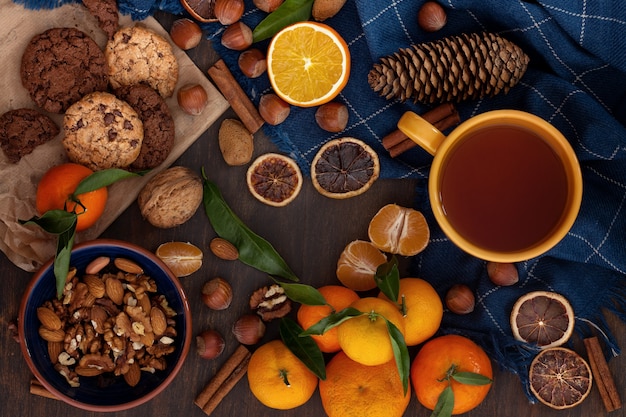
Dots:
{"x": 504, "y": 186}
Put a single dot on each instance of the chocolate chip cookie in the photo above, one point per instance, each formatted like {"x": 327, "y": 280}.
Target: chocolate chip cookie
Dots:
{"x": 22, "y": 130}
{"x": 158, "y": 124}
{"x": 102, "y": 131}
{"x": 60, "y": 66}
{"x": 137, "y": 54}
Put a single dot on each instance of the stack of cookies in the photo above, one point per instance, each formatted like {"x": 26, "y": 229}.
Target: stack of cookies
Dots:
{"x": 112, "y": 101}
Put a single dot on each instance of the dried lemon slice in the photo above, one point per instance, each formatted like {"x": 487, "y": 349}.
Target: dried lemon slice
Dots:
{"x": 344, "y": 168}
{"x": 274, "y": 179}
{"x": 560, "y": 378}
{"x": 543, "y": 318}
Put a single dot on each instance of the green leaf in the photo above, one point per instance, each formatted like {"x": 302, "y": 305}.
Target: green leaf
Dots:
{"x": 445, "y": 403}
{"x": 303, "y": 294}
{"x": 304, "y": 348}
{"x": 103, "y": 178}
{"x": 65, "y": 242}
{"x": 471, "y": 378}
{"x": 400, "y": 353}
{"x": 387, "y": 278}
{"x": 291, "y": 11}
{"x": 253, "y": 249}
{"x": 331, "y": 321}
{"x": 54, "y": 221}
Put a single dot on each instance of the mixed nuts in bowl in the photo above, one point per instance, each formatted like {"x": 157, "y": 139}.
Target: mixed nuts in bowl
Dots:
{"x": 116, "y": 337}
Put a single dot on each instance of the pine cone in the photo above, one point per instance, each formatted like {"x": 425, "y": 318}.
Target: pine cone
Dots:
{"x": 452, "y": 69}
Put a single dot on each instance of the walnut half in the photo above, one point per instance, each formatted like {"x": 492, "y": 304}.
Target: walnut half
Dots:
{"x": 270, "y": 302}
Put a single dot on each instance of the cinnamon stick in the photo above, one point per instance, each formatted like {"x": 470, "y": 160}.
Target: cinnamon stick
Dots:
{"x": 224, "y": 380}
{"x": 37, "y": 389}
{"x": 442, "y": 117}
{"x": 602, "y": 375}
{"x": 239, "y": 101}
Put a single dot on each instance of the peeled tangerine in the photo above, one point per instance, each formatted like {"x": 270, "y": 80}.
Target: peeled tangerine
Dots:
{"x": 399, "y": 230}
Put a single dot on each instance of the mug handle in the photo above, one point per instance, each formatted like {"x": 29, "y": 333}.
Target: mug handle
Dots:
{"x": 421, "y": 132}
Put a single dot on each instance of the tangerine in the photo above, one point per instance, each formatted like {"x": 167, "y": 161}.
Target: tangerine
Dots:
{"x": 434, "y": 361}
{"x": 399, "y": 230}
{"x": 278, "y": 379}
{"x": 365, "y": 338}
{"x": 422, "y": 308}
{"x": 308, "y": 63}
{"x": 182, "y": 258}
{"x": 355, "y": 390}
{"x": 357, "y": 265}
{"x": 337, "y": 298}
{"x": 57, "y": 186}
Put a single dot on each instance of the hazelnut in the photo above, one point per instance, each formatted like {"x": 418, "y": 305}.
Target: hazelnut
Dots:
{"x": 332, "y": 117}
{"x": 237, "y": 36}
{"x": 273, "y": 109}
{"x": 192, "y": 99}
{"x": 228, "y": 11}
{"x": 503, "y": 274}
{"x": 431, "y": 16}
{"x": 210, "y": 344}
{"x": 325, "y": 9}
{"x": 252, "y": 63}
{"x": 186, "y": 33}
{"x": 249, "y": 329}
{"x": 217, "y": 294}
{"x": 460, "y": 299}
{"x": 268, "y": 6}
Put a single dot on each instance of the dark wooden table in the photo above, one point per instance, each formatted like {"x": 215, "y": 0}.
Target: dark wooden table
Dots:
{"x": 310, "y": 233}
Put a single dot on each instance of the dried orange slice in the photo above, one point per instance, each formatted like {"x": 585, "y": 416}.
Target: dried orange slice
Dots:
{"x": 201, "y": 10}
{"x": 357, "y": 265}
{"x": 560, "y": 378}
{"x": 344, "y": 168}
{"x": 399, "y": 230}
{"x": 274, "y": 179}
{"x": 308, "y": 63}
{"x": 543, "y": 318}
{"x": 182, "y": 258}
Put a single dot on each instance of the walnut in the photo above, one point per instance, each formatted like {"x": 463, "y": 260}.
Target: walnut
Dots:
{"x": 171, "y": 197}
{"x": 270, "y": 302}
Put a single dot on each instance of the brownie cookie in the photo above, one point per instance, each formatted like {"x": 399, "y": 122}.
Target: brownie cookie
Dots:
{"x": 102, "y": 131}
{"x": 158, "y": 124}
{"x": 60, "y": 66}
{"x": 22, "y": 130}
{"x": 106, "y": 13}
{"x": 136, "y": 55}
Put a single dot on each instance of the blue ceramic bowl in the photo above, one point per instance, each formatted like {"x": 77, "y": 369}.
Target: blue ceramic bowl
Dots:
{"x": 91, "y": 395}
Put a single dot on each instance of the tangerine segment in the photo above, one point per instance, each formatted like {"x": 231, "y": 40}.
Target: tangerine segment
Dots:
{"x": 543, "y": 318}
{"x": 58, "y": 184}
{"x": 434, "y": 360}
{"x": 399, "y": 230}
{"x": 274, "y": 179}
{"x": 337, "y": 298}
{"x": 182, "y": 258}
{"x": 423, "y": 309}
{"x": 357, "y": 265}
{"x": 278, "y": 379}
{"x": 344, "y": 167}
{"x": 308, "y": 63}
{"x": 560, "y": 378}
{"x": 365, "y": 338}
{"x": 355, "y": 390}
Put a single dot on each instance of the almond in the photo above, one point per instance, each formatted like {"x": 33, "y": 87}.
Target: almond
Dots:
{"x": 223, "y": 249}
{"x": 133, "y": 375}
{"x": 127, "y": 265}
{"x": 114, "y": 290}
{"x": 158, "y": 321}
{"x": 98, "y": 317}
{"x": 95, "y": 285}
{"x": 54, "y": 350}
{"x": 88, "y": 371}
{"x": 48, "y": 318}
{"x": 51, "y": 335}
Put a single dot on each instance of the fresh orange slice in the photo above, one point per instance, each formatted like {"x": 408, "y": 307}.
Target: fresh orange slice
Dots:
{"x": 543, "y": 318}
{"x": 182, "y": 258}
{"x": 399, "y": 230}
{"x": 560, "y": 378}
{"x": 274, "y": 179}
{"x": 308, "y": 63}
{"x": 357, "y": 265}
